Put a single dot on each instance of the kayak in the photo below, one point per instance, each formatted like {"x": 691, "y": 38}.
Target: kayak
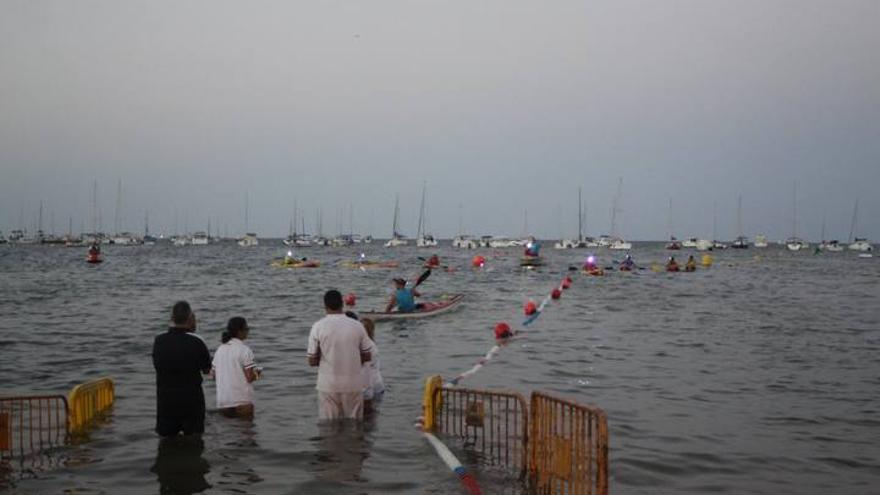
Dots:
{"x": 531, "y": 261}
{"x": 368, "y": 265}
{"x": 672, "y": 268}
{"x": 94, "y": 259}
{"x": 427, "y": 309}
{"x": 596, "y": 272}
{"x": 296, "y": 264}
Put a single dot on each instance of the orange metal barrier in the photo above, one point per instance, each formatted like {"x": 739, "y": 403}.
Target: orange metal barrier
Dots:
{"x": 88, "y": 400}
{"x": 569, "y": 447}
{"x": 29, "y": 424}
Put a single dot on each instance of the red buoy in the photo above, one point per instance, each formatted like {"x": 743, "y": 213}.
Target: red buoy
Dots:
{"x": 530, "y": 308}
{"x": 350, "y": 299}
{"x": 502, "y": 331}
{"x": 566, "y": 282}
{"x": 556, "y": 294}
{"x": 478, "y": 261}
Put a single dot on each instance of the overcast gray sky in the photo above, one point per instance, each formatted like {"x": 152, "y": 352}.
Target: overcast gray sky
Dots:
{"x": 500, "y": 105}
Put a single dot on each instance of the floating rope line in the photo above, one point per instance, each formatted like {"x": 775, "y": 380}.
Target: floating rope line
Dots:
{"x": 496, "y": 348}
{"x": 445, "y": 454}
{"x": 454, "y": 464}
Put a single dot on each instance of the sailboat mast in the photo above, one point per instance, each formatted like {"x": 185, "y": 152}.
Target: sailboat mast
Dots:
{"x": 116, "y": 216}
{"x": 739, "y": 228}
{"x": 852, "y": 225}
{"x": 421, "y": 212}
{"x": 396, "y": 213}
{"x": 669, "y": 221}
{"x": 794, "y": 211}
{"x": 823, "y": 226}
{"x": 615, "y": 206}
{"x": 93, "y": 213}
{"x": 580, "y": 217}
{"x": 246, "y": 206}
{"x": 293, "y": 222}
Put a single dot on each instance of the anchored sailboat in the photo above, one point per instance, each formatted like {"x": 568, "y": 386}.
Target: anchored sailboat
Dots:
{"x": 795, "y": 243}
{"x": 857, "y": 243}
{"x": 423, "y": 238}
{"x": 397, "y": 239}
{"x": 741, "y": 241}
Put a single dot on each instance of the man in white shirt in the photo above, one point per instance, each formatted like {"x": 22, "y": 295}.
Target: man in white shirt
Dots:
{"x": 338, "y": 346}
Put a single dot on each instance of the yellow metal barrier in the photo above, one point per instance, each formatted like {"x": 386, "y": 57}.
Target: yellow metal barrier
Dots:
{"x": 568, "y": 447}
{"x": 88, "y": 400}
{"x": 562, "y": 445}
{"x": 492, "y": 424}
{"x": 29, "y": 424}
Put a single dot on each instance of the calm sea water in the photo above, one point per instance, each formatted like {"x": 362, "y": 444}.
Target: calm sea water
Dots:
{"x": 755, "y": 376}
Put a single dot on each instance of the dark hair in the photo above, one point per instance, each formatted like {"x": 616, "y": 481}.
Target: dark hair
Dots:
{"x": 333, "y": 300}
{"x": 352, "y": 315}
{"x": 181, "y": 312}
{"x": 234, "y": 328}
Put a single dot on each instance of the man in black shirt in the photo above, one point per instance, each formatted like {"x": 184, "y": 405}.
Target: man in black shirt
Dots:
{"x": 180, "y": 357}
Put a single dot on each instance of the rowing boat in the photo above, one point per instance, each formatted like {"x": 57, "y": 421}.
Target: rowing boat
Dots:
{"x": 425, "y": 310}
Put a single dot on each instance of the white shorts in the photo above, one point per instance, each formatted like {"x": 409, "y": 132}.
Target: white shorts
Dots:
{"x": 340, "y": 405}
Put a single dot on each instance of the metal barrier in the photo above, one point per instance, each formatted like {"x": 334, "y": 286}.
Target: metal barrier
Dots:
{"x": 88, "y": 400}
{"x": 562, "y": 445}
{"x": 494, "y": 425}
{"x": 29, "y": 424}
{"x": 568, "y": 447}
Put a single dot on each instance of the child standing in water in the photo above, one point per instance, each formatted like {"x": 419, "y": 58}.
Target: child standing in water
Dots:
{"x": 235, "y": 371}
{"x": 375, "y": 386}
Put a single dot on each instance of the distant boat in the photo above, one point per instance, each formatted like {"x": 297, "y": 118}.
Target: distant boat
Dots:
{"x": 580, "y": 241}
{"x": 833, "y": 245}
{"x": 424, "y": 239}
{"x": 616, "y": 242}
{"x": 249, "y": 239}
{"x": 620, "y": 245}
{"x": 148, "y": 239}
{"x": 741, "y": 241}
{"x": 795, "y": 243}
{"x": 857, "y": 243}
{"x": 200, "y": 239}
{"x": 691, "y": 243}
{"x": 673, "y": 244}
{"x": 397, "y": 239}
{"x": 761, "y": 241}
{"x": 464, "y": 242}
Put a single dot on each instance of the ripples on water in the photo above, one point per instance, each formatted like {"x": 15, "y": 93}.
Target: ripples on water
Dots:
{"x": 752, "y": 376}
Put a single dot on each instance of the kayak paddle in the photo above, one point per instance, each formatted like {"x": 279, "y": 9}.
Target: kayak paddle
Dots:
{"x": 422, "y": 278}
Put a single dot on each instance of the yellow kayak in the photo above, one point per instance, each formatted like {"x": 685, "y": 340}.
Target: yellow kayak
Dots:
{"x": 296, "y": 264}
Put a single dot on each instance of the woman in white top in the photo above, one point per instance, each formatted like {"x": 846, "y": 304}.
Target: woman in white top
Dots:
{"x": 375, "y": 386}
{"x": 234, "y": 371}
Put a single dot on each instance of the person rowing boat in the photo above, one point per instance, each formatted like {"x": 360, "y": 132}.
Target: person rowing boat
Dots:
{"x": 403, "y": 298}
{"x": 691, "y": 265}
{"x": 627, "y": 265}
{"x": 672, "y": 265}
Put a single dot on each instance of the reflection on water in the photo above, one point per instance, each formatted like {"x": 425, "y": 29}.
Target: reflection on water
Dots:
{"x": 341, "y": 447}
{"x": 180, "y": 467}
